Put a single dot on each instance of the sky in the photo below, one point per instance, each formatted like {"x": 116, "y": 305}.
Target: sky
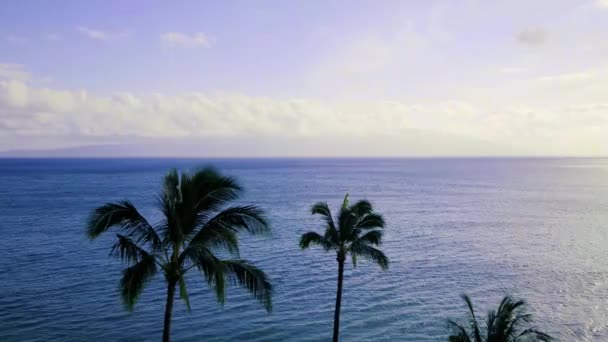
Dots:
{"x": 304, "y": 78}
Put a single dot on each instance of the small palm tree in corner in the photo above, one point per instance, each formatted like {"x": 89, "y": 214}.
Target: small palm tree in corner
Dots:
{"x": 355, "y": 232}
{"x": 505, "y": 324}
{"x": 197, "y": 222}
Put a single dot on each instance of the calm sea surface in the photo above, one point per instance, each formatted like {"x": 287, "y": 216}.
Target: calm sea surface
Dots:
{"x": 535, "y": 228}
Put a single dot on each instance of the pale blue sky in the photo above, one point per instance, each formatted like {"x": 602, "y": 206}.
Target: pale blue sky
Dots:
{"x": 414, "y": 77}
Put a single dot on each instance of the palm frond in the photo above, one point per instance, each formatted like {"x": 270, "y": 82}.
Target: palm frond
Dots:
{"x": 505, "y": 316}
{"x": 372, "y": 237}
{"x": 212, "y": 190}
{"x": 183, "y": 292}
{"x": 241, "y": 272}
{"x": 346, "y": 224}
{"x": 199, "y": 256}
{"x": 135, "y": 278}
{"x": 169, "y": 202}
{"x": 370, "y": 253}
{"x": 361, "y": 208}
{"x": 321, "y": 208}
{"x": 124, "y": 217}
{"x": 170, "y": 185}
{"x": 218, "y": 236}
{"x": 345, "y": 202}
{"x": 473, "y": 318}
{"x": 316, "y": 239}
{"x": 535, "y": 334}
{"x": 371, "y": 221}
{"x": 221, "y": 229}
{"x": 502, "y": 324}
{"x": 459, "y": 333}
{"x": 127, "y": 250}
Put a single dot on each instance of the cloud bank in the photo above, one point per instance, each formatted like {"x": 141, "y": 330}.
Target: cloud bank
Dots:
{"x": 179, "y": 39}
{"x": 76, "y": 117}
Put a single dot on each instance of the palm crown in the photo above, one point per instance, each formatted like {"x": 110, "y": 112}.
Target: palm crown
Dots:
{"x": 505, "y": 324}
{"x": 196, "y": 223}
{"x": 356, "y": 232}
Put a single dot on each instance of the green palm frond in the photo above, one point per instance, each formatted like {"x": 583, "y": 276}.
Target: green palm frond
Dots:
{"x": 135, "y": 278}
{"x": 473, "y": 318}
{"x": 361, "y": 208}
{"x": 345, "y": 202}
{"x": 240, "y": 218}
{"x": 245, "y": 274}
{"x": 346, "y": 224}
{"x": 370, "y": 253}
{"x": 124, "y": 217}
{"x": 127, "y": 250}
{"x": 199, "y": 256}
{"x": 218, "y": 236}
{"x": 183, "y": 292}
{"x": 503, "y": 317}
{"x": 371, "y": 221}
{"x": 222, "y": 229}
{"x": 321, "y": 208}
{"x": 214, "y": 190}
{"x": 459, "y": 333}
{"x": 505, "y": 324}
{"x": 314, "y": 238}
{"x": 532, "y": 334}
{"x": 372, "y": 237}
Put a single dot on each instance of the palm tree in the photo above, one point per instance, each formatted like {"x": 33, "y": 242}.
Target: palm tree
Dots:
{"x": 356, "y": 231}
{"x": 505, "y": 324}
{"x": 196, "y": 223}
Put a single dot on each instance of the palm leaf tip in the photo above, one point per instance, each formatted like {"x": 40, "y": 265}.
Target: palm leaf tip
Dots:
{"x": 370, "y": 253}
{"x": 345, "y": 202}
{"x": 313, "y": 238}
{"x": 134, "y": 280}
{"x": 245, "y": 274}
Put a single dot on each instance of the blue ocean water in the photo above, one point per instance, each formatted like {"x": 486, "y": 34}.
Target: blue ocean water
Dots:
{"x": 534, "y": 228}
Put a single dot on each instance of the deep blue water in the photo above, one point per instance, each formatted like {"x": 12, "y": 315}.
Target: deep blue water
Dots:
{"x": 535, "y": 228}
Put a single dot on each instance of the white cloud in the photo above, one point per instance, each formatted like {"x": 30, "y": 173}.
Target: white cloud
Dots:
{"x": 96, "y": 34}
{"x": 179, "y": 39}
{"x": 602, "y": 4}
{"x": 14, "y": 39}
{"x": 580, "y": 76}
{"x": 569, "y": 77}
{"x": 13, "y": 72}
{"x": 27, "y": 111}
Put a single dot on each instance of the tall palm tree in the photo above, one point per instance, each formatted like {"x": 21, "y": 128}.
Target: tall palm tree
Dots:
{"x": 197, "y": 222}
{"x": 356, "y": 230}
{"x": 505, "y": 324}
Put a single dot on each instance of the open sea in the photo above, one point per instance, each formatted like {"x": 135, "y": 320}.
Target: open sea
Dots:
{"x": 532, "y": 228}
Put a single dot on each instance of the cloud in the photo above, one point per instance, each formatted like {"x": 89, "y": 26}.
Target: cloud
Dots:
{"x": 13, "y": 72}
{"x": 17, "y": 40}
{"x": 602, "y": 4}
{"x": 569, "y": 77}
{"x": 179, "y": 39}
{"x": 532, "y": 37}
{"x": 28, "y": 113}
{"x": 101, "y": 35}
{"x": 585, "y": 77}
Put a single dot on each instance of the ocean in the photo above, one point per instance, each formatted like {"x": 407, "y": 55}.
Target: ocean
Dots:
{"x": 532, "y": 228}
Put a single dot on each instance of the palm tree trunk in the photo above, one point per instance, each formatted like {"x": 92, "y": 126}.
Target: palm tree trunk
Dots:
{"x": 338, "y": 299}
{"x": 168, "y": 311}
